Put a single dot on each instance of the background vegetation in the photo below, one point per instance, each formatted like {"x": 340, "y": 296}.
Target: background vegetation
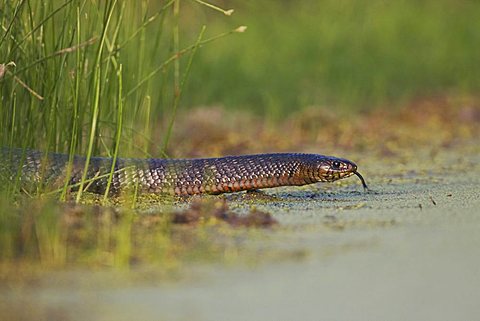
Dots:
{"x": 345, "y": 55}
{"x": 80, "y": 57}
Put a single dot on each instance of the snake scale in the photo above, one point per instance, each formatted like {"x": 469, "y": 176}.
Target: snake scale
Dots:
{"x": 175, "y": 176}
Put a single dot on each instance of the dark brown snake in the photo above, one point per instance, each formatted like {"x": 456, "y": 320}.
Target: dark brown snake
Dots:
{"x": 175, "y": 176}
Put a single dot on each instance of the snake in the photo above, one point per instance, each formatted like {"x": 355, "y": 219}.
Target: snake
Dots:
{"x": 179, "y": 177}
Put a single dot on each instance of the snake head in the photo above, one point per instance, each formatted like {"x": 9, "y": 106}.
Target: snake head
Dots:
{"x": 333, "y": 168}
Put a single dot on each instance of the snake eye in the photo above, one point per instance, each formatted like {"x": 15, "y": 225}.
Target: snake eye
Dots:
{"x": 336, "y": 165}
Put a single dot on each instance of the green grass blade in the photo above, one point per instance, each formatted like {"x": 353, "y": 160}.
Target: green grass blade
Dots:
{"x": 118, "y": 132}
{"x": 180, "y": 90}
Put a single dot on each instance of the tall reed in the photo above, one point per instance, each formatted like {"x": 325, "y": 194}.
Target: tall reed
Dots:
{"x": 89, "y": 78}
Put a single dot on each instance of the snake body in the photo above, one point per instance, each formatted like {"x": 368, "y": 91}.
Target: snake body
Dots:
{"x": 174, "y": 176}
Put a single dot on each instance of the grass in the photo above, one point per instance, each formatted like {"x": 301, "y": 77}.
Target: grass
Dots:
{"x": 41, "y": 236}
{"x": 93, "y": 67}
{"x": 340, "y": 55}
{"x": 91, "y": 78}
{"x": 94, "y": 79}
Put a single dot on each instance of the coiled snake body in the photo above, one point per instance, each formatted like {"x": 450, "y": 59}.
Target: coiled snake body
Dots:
{"x": 175, "y": 176}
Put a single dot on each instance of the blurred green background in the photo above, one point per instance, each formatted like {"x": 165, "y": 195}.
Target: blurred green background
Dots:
{"x": 347, "y": 54}
{"x": 110, "y": 69}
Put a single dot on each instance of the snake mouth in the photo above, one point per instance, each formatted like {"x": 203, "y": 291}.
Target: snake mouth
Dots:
{"x": 365, "y": 187}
